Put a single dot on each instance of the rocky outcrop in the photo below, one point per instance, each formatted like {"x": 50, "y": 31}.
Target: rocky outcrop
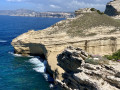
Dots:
{"x": 80, "y": 75}
{"x": 113, "y": 8}
{"x": 84, "y": 10}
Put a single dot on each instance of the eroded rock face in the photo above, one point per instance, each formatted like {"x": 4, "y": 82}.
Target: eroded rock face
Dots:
{"x": 113, "y": 8}
{"x": 72, "y": 64}
{"x": 80, "y": 75}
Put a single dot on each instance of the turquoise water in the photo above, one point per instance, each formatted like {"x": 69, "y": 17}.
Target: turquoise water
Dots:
{"x": 16, "y": 72}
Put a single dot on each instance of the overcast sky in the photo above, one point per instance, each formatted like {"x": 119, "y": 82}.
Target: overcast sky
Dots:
{"x": 52, "y": 5}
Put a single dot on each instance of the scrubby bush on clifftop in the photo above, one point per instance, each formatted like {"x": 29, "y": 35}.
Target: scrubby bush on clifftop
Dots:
{"x": 97, "y": 60}
{"x": 93, "y": 9}
{"x": 98, "y": 11}
{"x": 115, "y": 56}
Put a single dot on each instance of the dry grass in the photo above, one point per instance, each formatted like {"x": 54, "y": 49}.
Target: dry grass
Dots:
{"x": 78, "y": 27}
{"x": 90, "y": 20}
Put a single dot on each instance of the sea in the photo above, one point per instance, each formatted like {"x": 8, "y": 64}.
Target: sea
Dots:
{"x": 18, "y": 72}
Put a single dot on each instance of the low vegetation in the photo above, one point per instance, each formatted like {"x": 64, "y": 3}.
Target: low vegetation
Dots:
{"x": 88, "y": 21}
{"x": 93, "y": 9}
{"x": 115, "y": 56}
{"x": 80, "y": 25}
{"x": 97, "y": 60}
{"x": 98, "y": 11}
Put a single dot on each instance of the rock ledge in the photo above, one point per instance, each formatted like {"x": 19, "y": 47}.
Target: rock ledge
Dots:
{"x": 80, "y": 75}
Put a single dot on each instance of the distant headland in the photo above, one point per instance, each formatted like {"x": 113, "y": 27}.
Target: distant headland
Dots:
{"x": 32, "y": 13}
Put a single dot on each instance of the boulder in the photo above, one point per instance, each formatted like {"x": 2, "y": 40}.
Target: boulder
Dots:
{"x": 113, "y": 8}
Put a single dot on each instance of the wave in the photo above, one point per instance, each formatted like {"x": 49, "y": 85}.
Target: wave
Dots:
{"x": 18, "y": 55}
{"x": 2, "y": 41}
{"x": 41, "y": 67}
{"x": 48, "y": 78}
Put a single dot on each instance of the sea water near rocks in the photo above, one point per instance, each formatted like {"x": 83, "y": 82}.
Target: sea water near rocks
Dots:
{"x": 17, "y": 72}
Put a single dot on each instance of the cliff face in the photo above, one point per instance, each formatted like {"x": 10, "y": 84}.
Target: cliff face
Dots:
{"x": 81, "y": 75}
{"x": 95, "y": 33}
{"x": 113, "y": 8}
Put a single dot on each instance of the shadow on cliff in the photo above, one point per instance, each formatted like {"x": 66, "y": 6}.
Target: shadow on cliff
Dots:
{"x": 37, "y": 50}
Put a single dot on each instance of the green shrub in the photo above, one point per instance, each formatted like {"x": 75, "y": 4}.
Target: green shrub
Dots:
{"x": 115, "y": 56}
{"x": 97, "y": 62}
{"x": 100, "y": 12}
{"x": 93, "y": 9}
{"x": 91, "y": 61}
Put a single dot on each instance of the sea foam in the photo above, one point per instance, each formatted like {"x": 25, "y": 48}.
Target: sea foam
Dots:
{"x": 39, "y": 65}
{"x": 18, "y": 55}
{"x": 2, "y": 41}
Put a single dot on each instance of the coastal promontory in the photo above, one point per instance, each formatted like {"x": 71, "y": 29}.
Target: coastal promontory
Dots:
{"x": 92, "y": 31}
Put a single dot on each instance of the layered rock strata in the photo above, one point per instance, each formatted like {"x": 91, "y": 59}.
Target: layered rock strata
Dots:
{"x": 34, "y": 43}
{"x": 80, "y": 75}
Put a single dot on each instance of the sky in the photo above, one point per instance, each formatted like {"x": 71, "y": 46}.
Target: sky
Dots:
{"x": 52, "y": 5}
